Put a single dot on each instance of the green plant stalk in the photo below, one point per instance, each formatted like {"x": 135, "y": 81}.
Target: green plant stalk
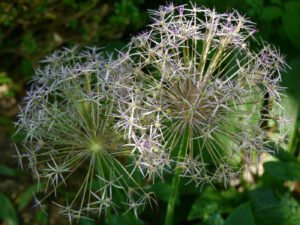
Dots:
{"x": 176, "y": 178}
{"x": 109, "y": 217}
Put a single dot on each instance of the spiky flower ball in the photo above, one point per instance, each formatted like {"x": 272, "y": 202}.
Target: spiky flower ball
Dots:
{"x": 71, "y": 143}
{"x": 201, "y": 97}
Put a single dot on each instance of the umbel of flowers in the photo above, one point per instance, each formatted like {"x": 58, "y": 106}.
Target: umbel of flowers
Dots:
{"x": 71, "y": 143}
{"x": 196, "y": 83}
{"x": 200, "y": 99}
{"x": 189, "y": 97}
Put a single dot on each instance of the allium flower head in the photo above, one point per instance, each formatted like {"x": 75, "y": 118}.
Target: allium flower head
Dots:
{"x": 71, "y": 142}
{"x": 200, "y": 95}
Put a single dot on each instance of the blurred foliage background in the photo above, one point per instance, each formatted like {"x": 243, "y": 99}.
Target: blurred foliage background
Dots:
{"x": 31, "y": 29}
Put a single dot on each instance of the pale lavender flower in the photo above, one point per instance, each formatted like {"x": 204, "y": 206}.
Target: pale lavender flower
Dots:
{"x": 201, "y": 87}
{"x": 71, "y": 143}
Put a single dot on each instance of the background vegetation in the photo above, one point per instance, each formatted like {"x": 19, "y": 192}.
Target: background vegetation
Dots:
{"x": 29, "y": 30}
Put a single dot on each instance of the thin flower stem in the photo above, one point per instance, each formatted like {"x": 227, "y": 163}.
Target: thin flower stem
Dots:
{"x": 176, "y": 178}
{"x": 109, "y": 217}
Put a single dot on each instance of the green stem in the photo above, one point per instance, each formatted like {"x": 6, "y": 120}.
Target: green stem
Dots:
{"x": 176, "y": 178}
{"x": 109, "y": 217}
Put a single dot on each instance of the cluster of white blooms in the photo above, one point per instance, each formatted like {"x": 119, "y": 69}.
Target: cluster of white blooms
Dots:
{"x": 71, "y": 141}
{"x": 188, "y": 96}
{"x": 199, "y": 96}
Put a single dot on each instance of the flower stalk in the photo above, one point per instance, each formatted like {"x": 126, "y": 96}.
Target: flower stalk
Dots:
{"x": 183, "y": 149}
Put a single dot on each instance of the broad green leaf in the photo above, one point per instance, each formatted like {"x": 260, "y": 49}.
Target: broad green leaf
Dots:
{"x": 5, "y": 121}
{"x": 29, "y": 43}
{"x": 291, "y": 21}
{"x": 271, "y": 210}
{"x": 212, "y": 201}
{"x": 4, "y": 79}
{"x": 283, "y": 170}
{"x": 113, "y": 45}
{"x": 285, "y": 156}
{"x": 9, "y": 172}
{"x": 215, "y": 219}
{"x": 241, "y": 215}
{"x": 292, "y": 110}
{"x": 28, "y": 194}
{"x": 26, "y": 68}
{"x": 188, "y": 188}
{"x": 126, "y": 219}
{"x": 18, "y": 137}
{"x": 162, "y": 191}
{"x": 42, "y": 217}
{"x": 292, "y": 79}
{"x": 270, "y": 13}
{"x": 256, "y": 4}
{"x": 7, "y": 211}
{"x": 277, "y": 2}
{"x": 84, "y": 221}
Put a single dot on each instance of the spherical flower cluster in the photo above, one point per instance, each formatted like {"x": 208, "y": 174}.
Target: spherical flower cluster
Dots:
{"x": 188, "y": 97}
{"x": 199, "y": 95}
{"x": 71, "y": 142}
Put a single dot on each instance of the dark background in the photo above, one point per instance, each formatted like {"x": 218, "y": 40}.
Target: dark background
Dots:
{"x": 31, "y": 29}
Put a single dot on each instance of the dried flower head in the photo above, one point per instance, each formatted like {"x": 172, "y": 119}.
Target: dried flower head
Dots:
{"x": 71, "y": 142}
{"x": 200, "y": 96}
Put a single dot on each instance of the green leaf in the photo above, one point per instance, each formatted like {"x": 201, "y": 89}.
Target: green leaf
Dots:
{"x": 4, "y": 79}
{"x": 219, "y": 202}
{"x": 85, "y": 221}
{"x": 29, "y": 43}
{"x": 28, "y": 194}
{"x": 271, "y": 210}
{"x": 18, "y": 137}
{"x": 9, "y": 172}
{"x": 186, "y": 188}
{"x": 277, "y": 2}
{"x": 241, "y": 215}
{"x": 291, "y": 21}
{"x": 162, "y": 191}
{"x": 215, "y": 219}
{"x": 113, "y": 45}
{"x": 42, "y": 217}
{"x": 26, "y": 68}
{"x": 283, "y": 170}
{"x": 126, "y": 219}
{"x": 285, "y": 156}
{"x": 292, "y": 79}
{"x": 257, "y": 4}
{"x": 270, "y": 13}
{"x": 7, "y": 211}
{"x": 5, "y": 121}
